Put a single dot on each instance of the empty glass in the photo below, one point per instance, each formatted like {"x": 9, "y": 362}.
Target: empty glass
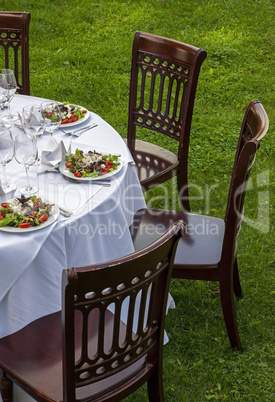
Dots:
{"x": 51, "y": 112}
{"x": 10, "y": 91}
{"x": 33, "y": 122}
{"x": 3, "y": 96}
{"x": 26, "y": 154}
{"x": 6, "y": 155}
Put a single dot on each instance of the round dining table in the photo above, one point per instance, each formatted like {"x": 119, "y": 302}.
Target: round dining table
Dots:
{"x": 96, "y": 231}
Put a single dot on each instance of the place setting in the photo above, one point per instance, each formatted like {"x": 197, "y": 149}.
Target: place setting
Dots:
{"x": 77, "y": 167}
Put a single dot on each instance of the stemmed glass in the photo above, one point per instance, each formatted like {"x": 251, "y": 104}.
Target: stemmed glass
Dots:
{"x": 33, "y": 122}
{"x": 26, "y": 153}
{"x": 6, "y": 155}
{"x": 3, "y": 97}
{"x": 10, "y": 91}
{"x": 51, "y": 111}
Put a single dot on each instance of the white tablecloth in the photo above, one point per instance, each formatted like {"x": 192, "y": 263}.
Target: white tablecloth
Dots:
{"x": 31, "y": 263}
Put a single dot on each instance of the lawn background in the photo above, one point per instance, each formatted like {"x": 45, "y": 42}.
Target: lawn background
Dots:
{"x": 80, "y": 51}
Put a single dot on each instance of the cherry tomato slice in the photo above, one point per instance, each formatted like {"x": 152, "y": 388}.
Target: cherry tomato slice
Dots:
{"x": 64, "y": 121}
{"x": 77, "y": 174}
{"x": 84, "y": 111}
{"x": 5, "y": 204}
{"x": 42, "y": 218}
{"x": 68, "y": 164}
{"x": 24, "y": 225}
{"x": 32, "y": 214}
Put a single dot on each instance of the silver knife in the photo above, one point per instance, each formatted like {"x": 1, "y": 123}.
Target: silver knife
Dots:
{"x": 78, "y": 131}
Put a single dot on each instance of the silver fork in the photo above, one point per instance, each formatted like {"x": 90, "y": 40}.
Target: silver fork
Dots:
{"x": 79, "y": 131}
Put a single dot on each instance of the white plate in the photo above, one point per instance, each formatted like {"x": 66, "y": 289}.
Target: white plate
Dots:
{"x": 54, "y": 214}
{"x": 65, "y": 171}
{"x": 80, "y": 121}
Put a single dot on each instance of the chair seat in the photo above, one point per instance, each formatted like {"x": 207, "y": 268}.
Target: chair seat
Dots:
{"x": 152, "y": 159}
{"x": 31, "y": 357}
{"x": 200, "y": 247}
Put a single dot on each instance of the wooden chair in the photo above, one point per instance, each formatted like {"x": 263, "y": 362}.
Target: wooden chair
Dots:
{"x": 164, "y": 76}
{"x": 101, "y": 357}
{"x": 208, "y": 251}
{"x": 14, "y": 39}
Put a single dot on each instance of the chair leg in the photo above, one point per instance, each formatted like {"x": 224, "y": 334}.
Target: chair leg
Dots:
{"x": 229, "y": 313}
{"x": 236, "y": 281}
{"x": 6, "y": 388}
{"x": 155, "y": 386}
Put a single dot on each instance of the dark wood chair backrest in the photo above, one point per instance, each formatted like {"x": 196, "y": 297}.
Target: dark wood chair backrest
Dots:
{"x": 164, "y": 76}
{"x": 254, "y": 127}
{"x": 92, "y": 289}
{"x": 14, "y": 39}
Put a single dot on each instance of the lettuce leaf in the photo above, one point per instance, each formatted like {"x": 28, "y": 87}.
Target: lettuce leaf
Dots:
{"x": 8, "y": 219}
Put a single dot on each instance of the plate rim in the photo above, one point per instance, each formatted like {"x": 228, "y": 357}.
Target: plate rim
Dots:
{"x": 11, "y": 229}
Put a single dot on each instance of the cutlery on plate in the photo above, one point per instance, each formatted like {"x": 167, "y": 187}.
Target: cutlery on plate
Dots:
{"x": 79, "y": 131}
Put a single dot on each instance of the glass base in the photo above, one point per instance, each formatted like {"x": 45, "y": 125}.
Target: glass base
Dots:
{"x": 8, "y": 119}
{"x": 37, "y": 162}
{"x": 28, "y": 190}
{"x": 8, "y": 188}
{"x": 6, "y": 125}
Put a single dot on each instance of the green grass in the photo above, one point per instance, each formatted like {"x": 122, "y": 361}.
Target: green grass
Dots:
{"x": 80, "y": 51}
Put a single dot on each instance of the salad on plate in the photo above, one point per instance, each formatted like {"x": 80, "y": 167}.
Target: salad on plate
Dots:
{"x": 24, "y": 212}
{"x": 70, "y": 113}
{"x": 91, "y": 164}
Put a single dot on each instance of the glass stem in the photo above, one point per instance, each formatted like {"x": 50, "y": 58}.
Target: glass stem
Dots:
{"x": 27, "y": 174}
{"x": 9, "y": 109}
{"x": 5, "y": 175}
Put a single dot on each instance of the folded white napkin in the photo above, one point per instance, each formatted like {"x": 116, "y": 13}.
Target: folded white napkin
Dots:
{"x": 6, "y": 190}
{"x": 2, "y": 192}
{"x": 30, "y": 121}
{"x": 53, "y": 154}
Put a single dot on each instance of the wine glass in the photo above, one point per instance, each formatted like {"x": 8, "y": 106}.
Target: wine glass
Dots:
{"x": 3, "y": 97}
{"x": 10, "y": 91}
{"x": 33, "y": 122}
{"x": 26, "y": 154}
{"x": 3, "y": 89}
{"x": 51, "y": 112}
{"x": 6, "y": 155}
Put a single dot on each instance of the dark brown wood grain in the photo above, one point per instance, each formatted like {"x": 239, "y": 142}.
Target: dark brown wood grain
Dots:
{"x": 208, "y": 251}
{"x": 14, "y": 39}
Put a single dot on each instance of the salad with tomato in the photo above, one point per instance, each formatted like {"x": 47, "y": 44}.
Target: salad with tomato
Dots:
{"x": 69, "y": 113}
{"x": 91, "y": 163}
{"x": 24, "y": 212}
